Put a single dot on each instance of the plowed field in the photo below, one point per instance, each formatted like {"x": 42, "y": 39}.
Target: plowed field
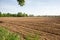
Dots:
{"x": 48, "y": 28}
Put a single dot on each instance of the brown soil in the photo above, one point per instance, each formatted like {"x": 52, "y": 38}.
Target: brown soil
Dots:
{"x": 48, "y": 28}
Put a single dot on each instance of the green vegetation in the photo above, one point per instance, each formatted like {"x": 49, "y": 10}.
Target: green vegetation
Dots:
{"x": 19, "y": 14}
{"x": 21, "y": 2}
{"x": 6, "y": 35}
{"x": 35, "y": 37}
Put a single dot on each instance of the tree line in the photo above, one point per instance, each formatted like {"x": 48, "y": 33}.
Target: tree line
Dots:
{"x": 19, "y": 14}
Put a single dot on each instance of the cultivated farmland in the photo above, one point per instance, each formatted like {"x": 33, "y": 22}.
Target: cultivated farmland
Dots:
{"x": 46, "y": 28}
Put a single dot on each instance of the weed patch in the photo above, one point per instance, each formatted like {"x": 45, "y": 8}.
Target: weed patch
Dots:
{"x": 7, "y": 35}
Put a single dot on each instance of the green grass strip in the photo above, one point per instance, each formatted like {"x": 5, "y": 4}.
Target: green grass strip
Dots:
{"x": 7, "y": 35}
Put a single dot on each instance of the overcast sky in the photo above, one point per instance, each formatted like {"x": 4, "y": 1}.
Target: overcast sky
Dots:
{"x": 36, "y": 7}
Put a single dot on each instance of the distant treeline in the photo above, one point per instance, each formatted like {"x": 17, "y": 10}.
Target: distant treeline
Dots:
{"x": 19, "y": 14}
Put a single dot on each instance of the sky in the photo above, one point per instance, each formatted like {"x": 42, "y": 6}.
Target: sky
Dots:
{"x": 35, "y": 7}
